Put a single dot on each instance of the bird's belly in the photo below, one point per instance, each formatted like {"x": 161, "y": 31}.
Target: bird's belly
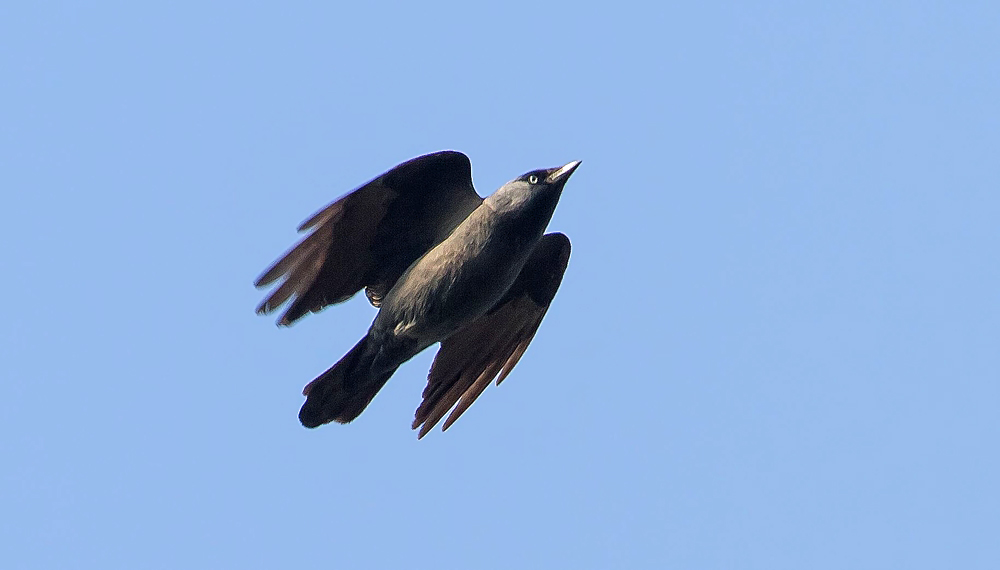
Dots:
{"x": 448, "y": 288}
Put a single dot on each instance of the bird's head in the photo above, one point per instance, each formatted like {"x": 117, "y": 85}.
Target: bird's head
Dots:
{"x": 535, "y": 193}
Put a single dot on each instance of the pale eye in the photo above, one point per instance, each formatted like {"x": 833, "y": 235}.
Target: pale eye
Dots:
{"x": 533, "y": 179}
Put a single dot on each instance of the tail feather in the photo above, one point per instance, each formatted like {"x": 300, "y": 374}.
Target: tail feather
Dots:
{"x": 344, "y": 391}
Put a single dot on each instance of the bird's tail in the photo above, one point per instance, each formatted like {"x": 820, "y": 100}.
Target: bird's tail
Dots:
{"x": 344, "y": 391}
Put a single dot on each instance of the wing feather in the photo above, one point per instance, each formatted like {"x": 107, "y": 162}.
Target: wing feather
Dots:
{"x": 491, "y": 346}
{"x": 368, "y": 237}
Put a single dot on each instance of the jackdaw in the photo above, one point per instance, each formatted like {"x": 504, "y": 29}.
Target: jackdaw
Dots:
{"x": 442, "y": 265}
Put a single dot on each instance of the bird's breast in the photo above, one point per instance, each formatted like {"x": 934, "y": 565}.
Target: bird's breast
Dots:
{"x": 455, "y": 282}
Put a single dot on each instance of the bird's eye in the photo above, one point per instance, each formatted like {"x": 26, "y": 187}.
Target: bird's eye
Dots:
{"x": 533, "y": 179}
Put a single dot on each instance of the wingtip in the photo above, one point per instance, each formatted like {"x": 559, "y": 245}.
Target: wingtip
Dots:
{"x": 420, "y": 424}
{"x": 265, "y": 308}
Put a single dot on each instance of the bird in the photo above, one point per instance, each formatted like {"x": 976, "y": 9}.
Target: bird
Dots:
{"x": 442, "y": 265}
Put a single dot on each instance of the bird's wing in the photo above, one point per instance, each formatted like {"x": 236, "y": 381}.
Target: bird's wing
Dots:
{"x": 368, "y": 237}
{"x": 492, "y": 344}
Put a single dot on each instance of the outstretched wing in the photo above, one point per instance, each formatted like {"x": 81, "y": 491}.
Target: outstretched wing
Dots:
{"x": 368, "y": 237}
{"x": 492, "y": 344}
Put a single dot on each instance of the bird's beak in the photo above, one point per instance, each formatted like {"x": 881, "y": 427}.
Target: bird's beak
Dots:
{"x": 562, "y": 174}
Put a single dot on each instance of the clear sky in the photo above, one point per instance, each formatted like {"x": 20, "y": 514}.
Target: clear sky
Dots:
{"x": 777, "y": 344}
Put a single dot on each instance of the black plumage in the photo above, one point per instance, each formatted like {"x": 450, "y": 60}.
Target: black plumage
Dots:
{"x": 442, "y": 264}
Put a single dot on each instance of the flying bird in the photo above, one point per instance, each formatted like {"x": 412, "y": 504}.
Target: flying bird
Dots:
{"x": 441, "y": 264}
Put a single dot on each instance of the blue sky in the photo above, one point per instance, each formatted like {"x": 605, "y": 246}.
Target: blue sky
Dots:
{"x": 776, "y": 345}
